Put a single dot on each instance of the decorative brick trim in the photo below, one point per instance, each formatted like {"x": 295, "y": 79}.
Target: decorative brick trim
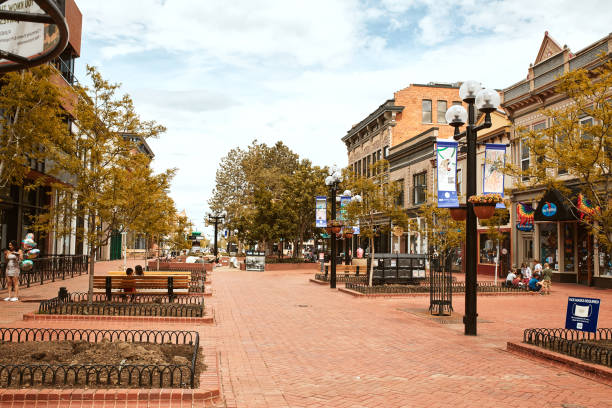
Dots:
{"x": 209, "y": 389}
{"x": 319, "y": 282}
{"x": 161, "y": 319}
{"x": 594, "y": 372}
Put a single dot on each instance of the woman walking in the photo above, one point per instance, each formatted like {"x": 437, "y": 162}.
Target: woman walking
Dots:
{"x": 12, "y": 255}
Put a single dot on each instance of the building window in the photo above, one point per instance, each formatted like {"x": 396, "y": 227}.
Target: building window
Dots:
{"x": 420, "y": 187}
{"x": 400, "y": 197}
{"x": 386, "y": 152}
{"x": 426, "y": 111}
{"x": 364, "y": 166}
{"x": 379, "y": 154}
{"x": 441, "y": 111}
{"x": 456, "y": 102}
{"x": 538, "y": 127}
{"x": 459, "y": 180}
{"x": 524, "y": 157}
{"x": 488, "y": 247}
{"x": 368, "y": 167}
{"x": 359, "y": 168}
{"x": 588, "y": 121}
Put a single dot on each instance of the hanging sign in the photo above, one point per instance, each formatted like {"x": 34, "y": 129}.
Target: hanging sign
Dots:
{"x": 344, "y": 200}
{"x": 492, "y": 176}
{"x": 524, "y": 214}
{"x": 321, "y": 212}
{"x": 582, "y": 314}
{"x": 549, "y": 209}
{"x": 446, "y": 159}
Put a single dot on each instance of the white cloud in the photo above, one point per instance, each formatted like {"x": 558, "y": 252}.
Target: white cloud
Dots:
{"x": 221, "y": 74}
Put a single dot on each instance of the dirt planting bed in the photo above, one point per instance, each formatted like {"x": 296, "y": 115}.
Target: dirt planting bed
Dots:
{"x": 117, "y": 364}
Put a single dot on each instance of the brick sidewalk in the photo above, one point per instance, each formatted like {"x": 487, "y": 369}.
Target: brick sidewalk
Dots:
{"x": 284, "y": 342}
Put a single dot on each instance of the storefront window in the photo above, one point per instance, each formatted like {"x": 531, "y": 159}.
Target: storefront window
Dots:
{"x": 548, "y": 244}
{"x": 568, "y": 246}
{"x": 488, "y": 248}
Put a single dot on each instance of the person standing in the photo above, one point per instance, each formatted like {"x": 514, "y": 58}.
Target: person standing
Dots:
{"x": 13, "y": 256}
{"x": 527, "y": 272}
{"x": 537, "y": 269}
{"x": 546, "y": 279}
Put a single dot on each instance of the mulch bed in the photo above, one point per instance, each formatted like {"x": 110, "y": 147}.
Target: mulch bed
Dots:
{"x": 110, "y": 355}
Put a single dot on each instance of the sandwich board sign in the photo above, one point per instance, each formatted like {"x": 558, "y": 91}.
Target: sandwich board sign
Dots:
{"x": 582, "y": 314}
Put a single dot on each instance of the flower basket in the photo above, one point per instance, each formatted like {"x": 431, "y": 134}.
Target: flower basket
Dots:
{"x": 336, "y": 229}
{"x": 484, "y": 211}
{"x": 348, "y": 233}
{"x": 458, "y": 214}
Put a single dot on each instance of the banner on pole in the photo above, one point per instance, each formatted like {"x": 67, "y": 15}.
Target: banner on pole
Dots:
{"x": 492, "y": 177}
{"x": 344, "y": 200}
{"x": 321, "y": 212}
{"x": 446, "y": 159}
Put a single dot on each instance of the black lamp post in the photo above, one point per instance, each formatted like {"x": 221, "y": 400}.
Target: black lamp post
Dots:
{"x": 485, "y": 100}
{"x": 332, "y": 181}
{"x": 216, "y": 219}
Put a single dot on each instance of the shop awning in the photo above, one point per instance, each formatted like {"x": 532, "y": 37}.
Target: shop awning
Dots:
{"x": 553, "y": 207}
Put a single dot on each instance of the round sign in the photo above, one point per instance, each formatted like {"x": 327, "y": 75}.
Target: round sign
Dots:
{"x": 504, "y": 251}
{"x": 549, "y": 209}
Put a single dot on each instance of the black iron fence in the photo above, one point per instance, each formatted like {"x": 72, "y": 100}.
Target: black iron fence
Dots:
{"x": 106, "y": 375}
{"x": 345, "y": 278}
{"x": 457, "y": 287}
{"x": 135, "y": 298}
{"x": 593, "y": 347}
{"x": 49, "y": 269}
{"x": 124, "y": 305}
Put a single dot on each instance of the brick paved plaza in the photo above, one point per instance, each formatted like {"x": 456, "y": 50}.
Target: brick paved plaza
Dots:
{"x": 282, "y": 341}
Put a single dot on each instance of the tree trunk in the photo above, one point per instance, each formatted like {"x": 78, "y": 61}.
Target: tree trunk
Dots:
{"x": 372, "y": 261}
{"x": 92, "y": 265}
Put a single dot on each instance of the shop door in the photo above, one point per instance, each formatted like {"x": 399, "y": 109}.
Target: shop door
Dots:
{"x": 115, "y": 250}
{"x": 585, "y": 255}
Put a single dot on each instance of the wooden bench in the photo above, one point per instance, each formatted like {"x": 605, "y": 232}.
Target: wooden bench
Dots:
{"x": 347, "y": 269}
{"x": 142, "y": 284}
{"x": 197, "y": 279}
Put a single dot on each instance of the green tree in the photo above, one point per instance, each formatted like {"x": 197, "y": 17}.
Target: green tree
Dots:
{"x": 574, "y": 154}
{"x": 444, "y": 234}
{"x": 32, "y": 122}
{"x": 378, "y": 200}
{"x": 111, "y": 186}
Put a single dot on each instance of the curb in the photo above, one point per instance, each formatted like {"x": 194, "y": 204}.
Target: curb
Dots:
{"x": 574, "y": 365}
{"x": 210, "y": 319}
{"x": 318, "y": 282}
{"x": 209, "y": 390}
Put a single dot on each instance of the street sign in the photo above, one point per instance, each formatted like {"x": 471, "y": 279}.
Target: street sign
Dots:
{"x": 196, "y": 233}
{"x": 582, "y": 314}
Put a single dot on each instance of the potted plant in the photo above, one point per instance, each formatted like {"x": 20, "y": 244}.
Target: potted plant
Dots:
{"x": 484, "y": 204}
{"x": 458, "y": 213}
{"x": 348, "y": 233}
{"x": 335, "y": 226}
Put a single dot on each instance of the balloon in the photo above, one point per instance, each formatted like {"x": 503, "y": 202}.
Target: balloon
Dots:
{"x": 33, "y": 253}
{"x": 28, "y": 243}
{"x": 26, "y": 265}
{"x": 29, "y": 236}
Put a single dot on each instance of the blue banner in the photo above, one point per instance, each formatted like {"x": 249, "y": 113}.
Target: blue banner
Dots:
{"x": 582, "y": 314}
{"x": 321, "y": 212}
{"x": 492, "y": 176}
{"x": 446, "y": 160}
{"x": 344, "y": 201}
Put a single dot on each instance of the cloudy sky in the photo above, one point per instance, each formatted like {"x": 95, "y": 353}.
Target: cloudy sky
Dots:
{"x": 220, "y": 74}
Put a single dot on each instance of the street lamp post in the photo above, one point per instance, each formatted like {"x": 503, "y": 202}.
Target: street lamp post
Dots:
{"x": 216, "y": 219}
{"x": 487, "y": 101}
{"x": 332, "y": 180}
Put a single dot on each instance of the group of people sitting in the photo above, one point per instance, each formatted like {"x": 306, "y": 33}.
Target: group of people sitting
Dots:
{"x": 537, "y": 281}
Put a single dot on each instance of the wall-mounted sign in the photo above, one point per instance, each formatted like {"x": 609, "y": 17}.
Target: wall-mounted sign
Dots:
{"x": 582, "y": 314}
{"x": 549, "y": 209}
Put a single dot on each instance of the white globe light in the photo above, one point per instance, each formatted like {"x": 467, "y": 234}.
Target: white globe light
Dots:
{"x": 487, "y": 100}
{"x": 468, "y": 90}
{"x": 357, "y": 198}
{"x": 347, "y": 193}
{"x": 456, "y": 115}
{"x": 329, "y": 180}
{"x": 337, "y": 175}
{"x": 334, "y": 169}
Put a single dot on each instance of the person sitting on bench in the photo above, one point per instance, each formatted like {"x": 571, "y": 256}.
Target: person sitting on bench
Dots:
{"x": 139, "y": 271}
{"x": 130, "y": 274}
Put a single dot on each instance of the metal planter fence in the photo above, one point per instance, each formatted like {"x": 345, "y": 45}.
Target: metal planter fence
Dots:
{"x": 592, "y": 347}
{"x": 136, "y": 298}
{"x": 80, "y": 375}
{"x": 345, "y": 278}
{"x": 457, "y": 287}
{"x": 49, "y": 269}
{"x": 124, "y": 305}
